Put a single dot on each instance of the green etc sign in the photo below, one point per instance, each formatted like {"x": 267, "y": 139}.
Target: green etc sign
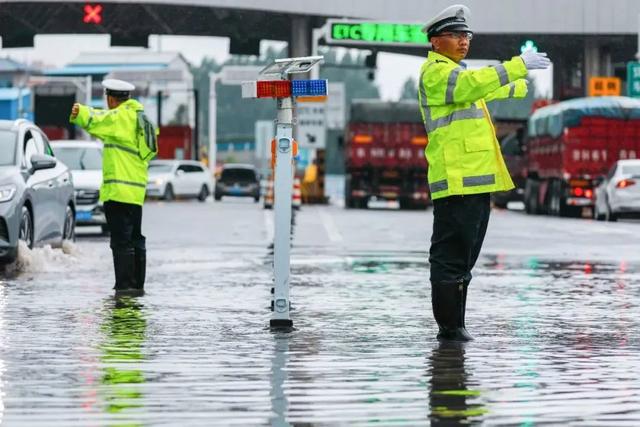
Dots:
{"x": 348, "y": 32}
{"x": 633, "y": 79}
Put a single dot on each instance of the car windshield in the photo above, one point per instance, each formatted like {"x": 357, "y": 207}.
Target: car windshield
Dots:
{"x": 80, "y": 158}
{"x": 160, "y": 167}
{"x": 238, "y": 175}
{"x": 7, "y": 148}
{"x": 631, "y": 170}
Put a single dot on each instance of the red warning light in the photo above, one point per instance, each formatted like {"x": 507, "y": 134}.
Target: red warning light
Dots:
{"x": 92, "y": 14}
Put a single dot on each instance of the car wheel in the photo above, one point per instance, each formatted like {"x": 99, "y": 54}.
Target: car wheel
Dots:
{"x": 217, "y": 197}
{"x": 69, "y": 229}
{"x": 26, "y": 227}
{"x": 597, "y": 215}
{"x": 609, "y": 215}
{"x": 204, "y": 193}
{"x": 168, "y": 193}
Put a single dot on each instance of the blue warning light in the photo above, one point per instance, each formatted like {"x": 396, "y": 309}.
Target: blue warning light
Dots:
{"x": 308, "y": 87}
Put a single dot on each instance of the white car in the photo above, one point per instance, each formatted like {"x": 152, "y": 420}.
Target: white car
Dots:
{"x": 618, "y": 194}
{"x": 169, "y": 179}
{"x": 84, "y": 159}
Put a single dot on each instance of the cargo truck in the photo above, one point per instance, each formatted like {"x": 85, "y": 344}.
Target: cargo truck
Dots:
{"x": 570, "y": 145}
{"x": 384, "y": 155}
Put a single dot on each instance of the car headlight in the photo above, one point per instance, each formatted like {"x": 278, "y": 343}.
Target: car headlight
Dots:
{"x": 159, "y": 181}
{"x": 7, "y": 192}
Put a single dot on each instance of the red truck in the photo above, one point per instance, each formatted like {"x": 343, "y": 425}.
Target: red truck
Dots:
{"x": 572, "y": 143}
{"x": 175, "y": 142}
{"x": 384, "y": 154}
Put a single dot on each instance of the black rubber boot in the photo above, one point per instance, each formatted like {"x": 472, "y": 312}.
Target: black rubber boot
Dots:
{"x": 141, "y": 267}
{"x": 124, "y": 267}
{"x": 447, "y": 299}
{"x": 465, "y": 287}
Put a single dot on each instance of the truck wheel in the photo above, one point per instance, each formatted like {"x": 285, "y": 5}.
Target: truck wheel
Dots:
{"x": 348, "y": 202}
{"x": 531, "y": 197}
{"x": 405, "y": 204}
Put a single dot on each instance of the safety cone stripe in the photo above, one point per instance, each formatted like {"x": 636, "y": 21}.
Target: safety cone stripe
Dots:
{"x": 297, "y": 194}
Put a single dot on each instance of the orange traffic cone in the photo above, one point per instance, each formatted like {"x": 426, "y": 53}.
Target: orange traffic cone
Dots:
{"x": 268, "y": 198}
{"x": 296, "y": 200}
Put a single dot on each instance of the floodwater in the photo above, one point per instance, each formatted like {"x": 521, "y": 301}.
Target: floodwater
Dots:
{"x": 557, "y": 343}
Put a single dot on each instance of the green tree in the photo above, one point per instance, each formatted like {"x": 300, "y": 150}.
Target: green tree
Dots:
{"x": 409, "y": 90}
{"x": 181, "y": 116}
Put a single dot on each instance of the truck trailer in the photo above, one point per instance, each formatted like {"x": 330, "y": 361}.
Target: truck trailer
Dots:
{"x": 572, "y": 143}
{"x": 384, "y": 155}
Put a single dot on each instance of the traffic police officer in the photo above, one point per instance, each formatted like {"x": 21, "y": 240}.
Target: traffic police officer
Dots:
{"x": 129, "y": 144}
{"x": 465, "y": 162}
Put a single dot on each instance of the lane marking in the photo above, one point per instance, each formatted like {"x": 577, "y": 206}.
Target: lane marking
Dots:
{"x": 330, "y": 226}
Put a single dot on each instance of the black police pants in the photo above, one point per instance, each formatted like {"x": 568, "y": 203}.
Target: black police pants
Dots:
{"x": 459, "y": 227}
{"x": 125, "y": 223}
{"x": 127, "y": 245}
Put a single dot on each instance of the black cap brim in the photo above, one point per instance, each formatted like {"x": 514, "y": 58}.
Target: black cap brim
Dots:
{"x": 118, "y": 93}
{"x": 451, "y": 25}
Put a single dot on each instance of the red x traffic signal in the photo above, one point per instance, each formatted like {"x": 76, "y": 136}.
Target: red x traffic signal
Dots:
{"x": 92, "y": 14}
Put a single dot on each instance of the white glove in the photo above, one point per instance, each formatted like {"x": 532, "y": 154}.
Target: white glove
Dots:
{"x": 534, "y": 60}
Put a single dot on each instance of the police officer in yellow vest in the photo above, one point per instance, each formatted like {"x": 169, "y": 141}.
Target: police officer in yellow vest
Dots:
{"x": 129, "y": 144}
{"x": 465, "y": 162}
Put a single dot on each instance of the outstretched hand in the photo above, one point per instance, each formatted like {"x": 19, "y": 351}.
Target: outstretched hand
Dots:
{"x": 534, "y": 60}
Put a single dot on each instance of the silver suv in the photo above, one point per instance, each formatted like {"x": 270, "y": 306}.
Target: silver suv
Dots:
{"x": 36, "y": 191}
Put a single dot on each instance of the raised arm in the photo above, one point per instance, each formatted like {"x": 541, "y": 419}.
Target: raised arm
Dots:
{"x": 99, "y": 123}
{"x": 465, "y": 86}
{"x": 517, "y": 89}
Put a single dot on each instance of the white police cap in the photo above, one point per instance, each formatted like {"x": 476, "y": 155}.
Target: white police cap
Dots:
{"x": 117, "y": 87}
{"x": 453, "y": 18}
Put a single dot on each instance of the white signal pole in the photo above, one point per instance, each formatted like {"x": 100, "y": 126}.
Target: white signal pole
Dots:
{"x": 283, "y": 184}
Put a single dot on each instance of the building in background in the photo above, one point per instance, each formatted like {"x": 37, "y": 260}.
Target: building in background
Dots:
{"x": 164, "y": 85}
{"x": 15, "y": 95}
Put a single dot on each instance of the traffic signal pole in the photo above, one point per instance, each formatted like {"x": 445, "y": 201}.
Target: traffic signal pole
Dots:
{"x": 283, "y": 185}
{"x": 284, "y": 91}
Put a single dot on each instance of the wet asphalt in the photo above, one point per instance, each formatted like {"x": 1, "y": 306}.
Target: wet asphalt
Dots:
{"x": 553, "y": 307}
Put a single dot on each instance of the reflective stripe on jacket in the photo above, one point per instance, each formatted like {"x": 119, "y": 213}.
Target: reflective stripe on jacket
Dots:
{"x": 463, "y": 151}
{"x": 127, "y": 149}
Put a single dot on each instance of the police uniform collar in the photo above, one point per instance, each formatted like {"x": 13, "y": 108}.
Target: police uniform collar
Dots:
{"x": 438, "y": 57}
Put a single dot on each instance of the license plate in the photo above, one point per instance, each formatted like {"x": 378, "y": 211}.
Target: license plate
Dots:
{"x": 236, "y": 191}
{"x": 83, "y": 216}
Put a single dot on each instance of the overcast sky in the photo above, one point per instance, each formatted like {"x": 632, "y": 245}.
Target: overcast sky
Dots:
{"x": 58, "y": 50}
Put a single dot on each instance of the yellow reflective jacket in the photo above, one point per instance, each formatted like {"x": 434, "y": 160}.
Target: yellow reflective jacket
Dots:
{"x": 463, "y": 151}
{"x": 129, "y": 144}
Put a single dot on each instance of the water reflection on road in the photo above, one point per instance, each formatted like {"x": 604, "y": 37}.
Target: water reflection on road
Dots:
{"x": 122, "y": 358}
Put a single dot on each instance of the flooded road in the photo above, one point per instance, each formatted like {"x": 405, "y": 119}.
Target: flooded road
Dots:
{"x": 554, "y": 308}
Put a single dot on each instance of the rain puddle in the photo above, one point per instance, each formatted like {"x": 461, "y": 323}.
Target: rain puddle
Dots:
{"x": 556, "y": 342}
